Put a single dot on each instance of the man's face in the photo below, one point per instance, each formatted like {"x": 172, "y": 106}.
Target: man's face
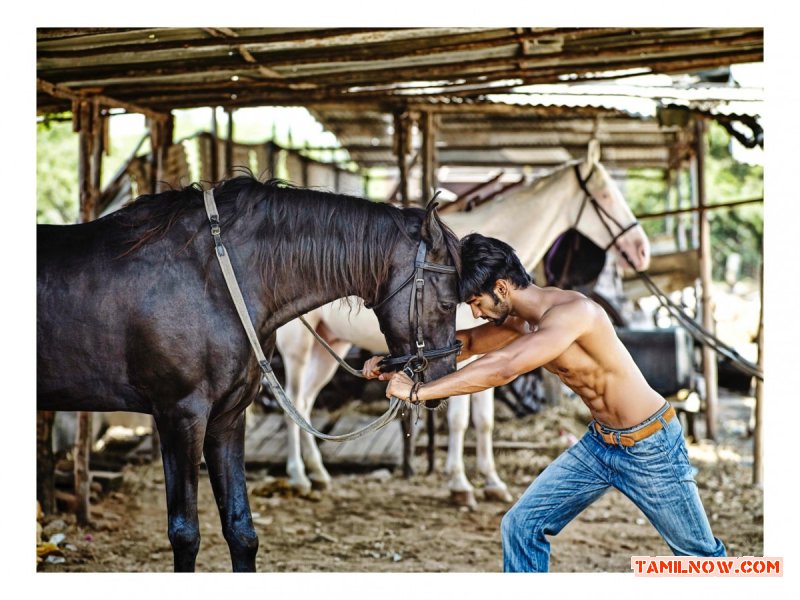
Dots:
{"x": 489, "y": 307}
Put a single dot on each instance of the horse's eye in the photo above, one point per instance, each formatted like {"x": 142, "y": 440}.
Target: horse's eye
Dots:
{"x": 447, "y": 306}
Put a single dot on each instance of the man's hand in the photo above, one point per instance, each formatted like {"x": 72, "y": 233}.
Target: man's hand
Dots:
{"x": 399, "y": 386}
{"x": 372, "y": 371}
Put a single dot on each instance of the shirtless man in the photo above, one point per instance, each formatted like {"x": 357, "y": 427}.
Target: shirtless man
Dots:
{"x": 634, "y": 442}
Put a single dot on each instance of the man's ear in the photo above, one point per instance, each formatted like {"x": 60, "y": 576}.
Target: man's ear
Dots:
{"x": 501, "y": 286}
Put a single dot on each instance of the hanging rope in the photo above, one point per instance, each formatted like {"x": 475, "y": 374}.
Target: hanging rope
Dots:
{"x": 697, "y": 331}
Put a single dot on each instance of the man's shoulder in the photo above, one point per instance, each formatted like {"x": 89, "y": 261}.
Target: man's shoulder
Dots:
{"x": 571, "y": 305}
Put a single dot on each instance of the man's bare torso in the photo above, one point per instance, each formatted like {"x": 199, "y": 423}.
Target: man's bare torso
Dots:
{"x": 598, "y": 367}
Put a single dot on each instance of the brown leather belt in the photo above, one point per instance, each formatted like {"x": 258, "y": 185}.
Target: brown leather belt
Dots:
{"x": 629, "y": 439}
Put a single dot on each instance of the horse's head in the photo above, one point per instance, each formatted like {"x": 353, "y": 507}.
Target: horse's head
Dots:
{"x": 609, "y": 223}
{"x": 417, "y": 303}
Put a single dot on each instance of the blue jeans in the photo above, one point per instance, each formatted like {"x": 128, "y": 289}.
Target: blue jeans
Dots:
{"x": 654, "y": 473}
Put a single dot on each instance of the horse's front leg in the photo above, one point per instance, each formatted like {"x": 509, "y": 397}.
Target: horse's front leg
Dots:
{"x": 224, "y": 452}
{"x": 182, "y": 427}
{"x": 461, "y": 491}
{"x": 483, "y": 419}
{"x": 295, "y": 344}
{"x": 321, "y": 369}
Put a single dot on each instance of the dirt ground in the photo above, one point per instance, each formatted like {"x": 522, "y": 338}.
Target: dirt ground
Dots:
{"x": 379, "y": 522}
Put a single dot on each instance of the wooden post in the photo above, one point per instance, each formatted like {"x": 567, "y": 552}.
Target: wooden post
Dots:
{"x": 401, "y": 142}
{"x": 272, "y": 152}
{"x": 694, "y": 222}
{"x": 45, "y": 461}
{"x": 680, "y": 231}
{"x": 90, "y": 137}
{"x": 709, "y": 356}
{"x": 428, "y": 156}
{"x": 98, "y": 146}
{"x": 167, "y": 139}
{"x": 155, "y": 147}
{"x": 229, "y": 144}
{"x": 214, "y": 148}
{"x": 758, "y": 434}
{"x": 669, "y": 183}
{"x": 161, "y": 131}
{"x": 428, "y": 181}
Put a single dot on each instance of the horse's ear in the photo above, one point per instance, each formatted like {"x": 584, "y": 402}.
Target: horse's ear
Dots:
{"x": 431, "y": 230}
{"x": 593, "y": 152}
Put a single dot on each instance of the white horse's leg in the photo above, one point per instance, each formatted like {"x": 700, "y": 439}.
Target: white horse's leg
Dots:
{"x": 461, "y": 490}
{"x": 483, "y": 419}
{"x": 321, "y": 369}
{"x": 295, "y": 344}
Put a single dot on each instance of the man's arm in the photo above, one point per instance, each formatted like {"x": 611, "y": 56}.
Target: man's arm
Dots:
{"x": 557, "y": 331}
{"x": 474, "y": 341}
{"x": 489, "y": 337}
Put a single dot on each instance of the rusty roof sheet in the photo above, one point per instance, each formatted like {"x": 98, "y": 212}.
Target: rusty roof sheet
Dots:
{"x": 160, "y": 69}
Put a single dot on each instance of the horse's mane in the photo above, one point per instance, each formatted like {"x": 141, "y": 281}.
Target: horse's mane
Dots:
{"x": 295, "y": 230}
{"x": 548, "y": 177}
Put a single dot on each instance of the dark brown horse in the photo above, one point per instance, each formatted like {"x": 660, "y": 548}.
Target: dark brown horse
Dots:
{"x": 133, "y": 314}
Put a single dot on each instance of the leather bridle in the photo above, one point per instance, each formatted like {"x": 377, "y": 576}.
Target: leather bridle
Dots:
{"x": 602, "y": 213}
{"x": 416, "y": 363}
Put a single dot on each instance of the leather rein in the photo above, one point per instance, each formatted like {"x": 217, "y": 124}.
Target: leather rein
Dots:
{"x": 413, "y": 364}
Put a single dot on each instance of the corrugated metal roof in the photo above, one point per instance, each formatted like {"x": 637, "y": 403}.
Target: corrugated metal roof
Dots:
{"x": 354, "y": 79}
{"x": 167, "y": 68}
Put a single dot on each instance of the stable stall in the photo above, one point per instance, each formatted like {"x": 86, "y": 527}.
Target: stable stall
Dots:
{"x": 434, "y": 108}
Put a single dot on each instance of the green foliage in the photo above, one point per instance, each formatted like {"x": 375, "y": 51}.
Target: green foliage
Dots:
{"x": 645, "y": 190}
{"x": 57, "y": 173}
{"x": 738, "y": 229}
{"x": 732, "y": 230}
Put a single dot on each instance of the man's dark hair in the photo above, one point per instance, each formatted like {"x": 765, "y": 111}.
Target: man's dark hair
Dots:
{"x": 484, "y": 260}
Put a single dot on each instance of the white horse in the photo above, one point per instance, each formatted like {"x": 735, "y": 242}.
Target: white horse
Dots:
{"x": 529, "y": 219}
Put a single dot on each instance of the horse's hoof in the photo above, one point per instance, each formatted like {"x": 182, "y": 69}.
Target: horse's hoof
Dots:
{"x": 322, "y": 485}
{"x": 497, "y": 494}
{"x": 301, "y": 488}
{"x": 463, "y": 498}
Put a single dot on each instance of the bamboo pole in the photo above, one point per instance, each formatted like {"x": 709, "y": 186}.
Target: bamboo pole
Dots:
{"x": 695, "y": 209}
{"x": 709, "y": 357}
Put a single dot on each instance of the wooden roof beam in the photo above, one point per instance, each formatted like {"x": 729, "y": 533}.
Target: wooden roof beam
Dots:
{"x": 339, "y": 85}
{"x": 60, "y": 91}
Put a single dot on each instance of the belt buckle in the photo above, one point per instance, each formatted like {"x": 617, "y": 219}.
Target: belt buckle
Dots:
{"x": 612, "y": 436}
{"x": 605, "y": 435}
